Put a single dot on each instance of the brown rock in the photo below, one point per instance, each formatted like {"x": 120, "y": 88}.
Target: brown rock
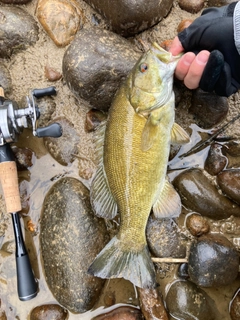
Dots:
{"x": 197, "y": 225}
{"x": 235, "y": 307}
{"x": 192, "y": 6}
{"x": 208, "y": 108}
{"x": 61, "y": 19}
{"x": 128, "y": 17}
{"x": 49, "y": 311}
{"x": 229, "y": 182}
{"x": 51, "y": 74}
{"x": 215, "y": 161}
{"x": 122, "y": 313}
{"x": 152, "y": 304}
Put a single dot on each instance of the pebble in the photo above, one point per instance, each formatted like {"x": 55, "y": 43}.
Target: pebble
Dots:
{"x": 93, "y": 119}
{"x": 18, "y": 30}
{"x": 71, "y": 237}
{"x": 183, "y": 271}
{"x": 193, "y": 6}
{"x": 164, "y": 238}
{"x": 208, "y": 108}
{"x": 94, "y": 69}
{"x": 121, "y": 313}
{"x": 52, "y": 74}
{"x": 129, "y": 17}
{"x": 197, "y": 225}
{"x": 213, "y": 261}
{"x": 235, "y": 306}
{"x": 200, "y": 195}
{"x": 151, "y": 304}
{"x": 64, "y": 148}
{"x": 24, "y": 157}
{"x": 5, "y": 79}
{"x": 193, "y": 304}
{"x": 49, "y": 311}
{"x": 61, "y": 19}
{"x": 184, "y": 24}
{"x": 215, "y": 161}
{"x": 229, "y": 182}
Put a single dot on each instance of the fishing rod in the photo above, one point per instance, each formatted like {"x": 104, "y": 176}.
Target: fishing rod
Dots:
{"x": 12, "y": 121}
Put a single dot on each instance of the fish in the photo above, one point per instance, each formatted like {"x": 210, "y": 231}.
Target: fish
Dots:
{"x": 133, "y": 149}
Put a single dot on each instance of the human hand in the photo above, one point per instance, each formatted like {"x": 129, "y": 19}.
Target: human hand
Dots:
{"x": 212, "y": 61}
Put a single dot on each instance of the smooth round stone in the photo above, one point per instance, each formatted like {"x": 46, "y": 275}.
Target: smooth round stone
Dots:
{"x": 64, "y": 148}
{"x": 49, "y": 311}
{"x": 215, "y": 161}
{"x": 61, "y": 19}
{"x": 235, "y": 306}
{"x": 208, "y": 108}
{"x": 213, "y": 261}
{"x": 164, "y": 238}
{"x": 18, "y": 30}
{"x": 93, "y": 70}
{"x": 186, "y": 301}
{"x": 229, "y": 182}
{"x": 200, "y": 195}
{"x": 183, "y": 271}
{"x": 129, "y": 17}
{"x": 192, "y": 6}
{"x": 197, "y": 225}
{"x": 71, "y": 236}
{"x": 121, "y": 313}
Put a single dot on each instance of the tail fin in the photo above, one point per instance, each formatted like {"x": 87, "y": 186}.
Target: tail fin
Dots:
{"x": 113, "y": 262}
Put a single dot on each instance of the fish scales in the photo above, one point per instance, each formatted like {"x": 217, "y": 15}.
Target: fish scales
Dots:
{"x": 131, "y": 178}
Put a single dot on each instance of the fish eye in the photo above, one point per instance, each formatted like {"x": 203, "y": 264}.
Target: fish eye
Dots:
{"x": 143, "y": 67}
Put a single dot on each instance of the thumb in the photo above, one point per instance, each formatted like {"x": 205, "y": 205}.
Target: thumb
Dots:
{"x": 176, "y": 47}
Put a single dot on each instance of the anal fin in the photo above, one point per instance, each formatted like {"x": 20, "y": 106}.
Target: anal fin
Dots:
{"x": 179, "y": 135}
{"x": 168, "y": 204}
{"x": 101, "y": 197}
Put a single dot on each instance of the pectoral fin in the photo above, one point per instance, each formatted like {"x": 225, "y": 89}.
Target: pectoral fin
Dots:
{"x": 168, "y": 204}
{"x": 101, "y": 197}
{"x": 149, "y": 135}
{"x": 179, "y": 135}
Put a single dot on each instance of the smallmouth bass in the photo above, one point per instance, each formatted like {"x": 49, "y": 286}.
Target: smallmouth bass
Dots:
{"x": 133, "y": 156}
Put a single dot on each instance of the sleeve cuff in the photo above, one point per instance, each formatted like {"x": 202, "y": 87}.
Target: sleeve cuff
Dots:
{"x": 236, "y": 26}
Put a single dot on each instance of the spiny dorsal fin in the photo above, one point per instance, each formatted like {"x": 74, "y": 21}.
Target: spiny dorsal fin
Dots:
{"x": 179, "y": 135}
{"x": 168, "y": 204}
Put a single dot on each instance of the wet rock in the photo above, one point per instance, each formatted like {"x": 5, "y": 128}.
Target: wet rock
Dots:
{"x": 192, "y": 6}
{"x": 208, "y": 108}
{"x": 5, "y": 79}
{"x": 215, "y": 161}
{"x": 49, "y": 311}
{"x": 232, "y": 151}
{"x": 18, "y": 30}
{"x": 229, "y": 182}
{"x": 122, "y": 313}
{"x": 200, "y": 195}
{"x": 213, "y": 261}
{"x": 152, "y": 304}
{"x": 183, "y": 271}
{"x": 94, "y": 69}
{"x": 24, "y": 157}
{"x": 71, "y": 237}
{"x": 164, "y": 238}
{"x": 186, "y": 301}
{"x": 61, "y": 19}
{"x": 235, "y": 306}
{"x": 130, "y": 17}
{"x": 64, "y": 148}
{"x": 197, "y": 225}
{"x": 93, "y": 119}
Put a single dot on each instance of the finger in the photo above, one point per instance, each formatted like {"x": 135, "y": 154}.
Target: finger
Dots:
{"x": 176, "y": 47}
{"x": 183, "y": 65}
{"x": 196, "y": 69}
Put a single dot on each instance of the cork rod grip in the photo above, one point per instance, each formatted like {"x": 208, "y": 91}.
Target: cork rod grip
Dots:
{"x": 9, "y": 181}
